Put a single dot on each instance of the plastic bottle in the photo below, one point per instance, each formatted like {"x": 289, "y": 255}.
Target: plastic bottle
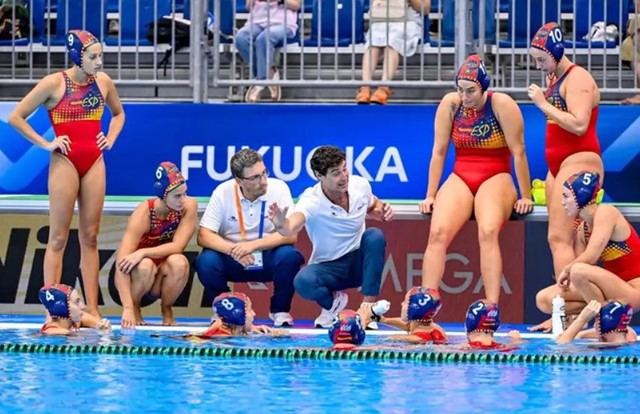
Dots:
{"x": 558, "y": 316}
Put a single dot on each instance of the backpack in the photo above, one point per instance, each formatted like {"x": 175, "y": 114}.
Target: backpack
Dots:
{"x": 10, "y": 29}
{"x": 175, "y": 32}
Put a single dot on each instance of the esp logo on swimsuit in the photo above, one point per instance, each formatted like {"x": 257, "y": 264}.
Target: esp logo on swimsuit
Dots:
{"x": 90, "y": 101}
{"x": 481, "y": 130}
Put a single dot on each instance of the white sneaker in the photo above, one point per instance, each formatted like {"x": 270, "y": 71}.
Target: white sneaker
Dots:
{"x": 326, "y": 317}
{"x": 373, "y": 325}
{"x": 281, "y": 319}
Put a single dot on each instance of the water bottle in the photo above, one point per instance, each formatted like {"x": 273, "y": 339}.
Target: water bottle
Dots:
{"x": 558, "y": 316}
{"x": 380, "y": 308}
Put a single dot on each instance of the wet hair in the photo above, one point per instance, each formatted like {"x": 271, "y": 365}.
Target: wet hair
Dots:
{"x": 326, "y": 157}
{"x": 245, "y": 158}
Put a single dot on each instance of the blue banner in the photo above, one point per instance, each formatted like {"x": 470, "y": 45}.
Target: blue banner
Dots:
{"x": 389, "y": 145}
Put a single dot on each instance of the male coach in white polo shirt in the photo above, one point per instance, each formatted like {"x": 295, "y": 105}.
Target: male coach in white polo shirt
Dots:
{"x": 344, "y": 255}
{"x": 240, "y": 244}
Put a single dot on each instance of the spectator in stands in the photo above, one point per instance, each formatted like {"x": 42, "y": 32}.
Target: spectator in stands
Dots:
{"x": 630, "y": 50}
{"x": 607, "y": 252}
{"x": 570, "y": 104}
{"x": 270, "y": 24}
{"x": 345, "y": 254}
{"x": 75, "y": 99}
{"x": 487, "y": 131}
{"x": 396, "y": 29}
{"x": 240, "y": 244}
{"x": 150, "y": 263}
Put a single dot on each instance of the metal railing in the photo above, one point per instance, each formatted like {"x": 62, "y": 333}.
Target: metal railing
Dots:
{"x": 327, "y": 49}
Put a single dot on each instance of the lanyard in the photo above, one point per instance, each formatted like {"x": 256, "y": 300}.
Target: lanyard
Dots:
{"x": 243, "y": 231}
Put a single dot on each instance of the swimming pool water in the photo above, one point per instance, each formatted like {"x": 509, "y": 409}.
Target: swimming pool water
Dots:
{"x": 42, "y": 383}
{"x": 46, "y": 383}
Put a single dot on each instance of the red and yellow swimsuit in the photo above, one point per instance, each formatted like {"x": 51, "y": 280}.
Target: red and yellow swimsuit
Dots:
{"x": 621, "y": 258}
{"x": 560, "y": 143}
{"x": 78, "y": 116}
{"x": 481, "y": 147}
{"x": 161, "y": 231}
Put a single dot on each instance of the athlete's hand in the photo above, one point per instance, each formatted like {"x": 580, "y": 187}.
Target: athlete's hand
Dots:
{"x": 103, "y": 142}
{"x": 260, "y": 329}
{"x": 128, "y": 320}
{"x": 523, "y": 206}
{"x": 426, "y": 205}
{"x": 536, "y": 94}
{"x": 277, "y": 215}
{"x": 590, "y": 311}
{"x": 63, "y": 143}
{"x": 127, "y": 263}
{"x": 564, "y": 279}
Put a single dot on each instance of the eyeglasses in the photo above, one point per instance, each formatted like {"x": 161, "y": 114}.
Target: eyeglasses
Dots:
{"x": 257, "y": 177}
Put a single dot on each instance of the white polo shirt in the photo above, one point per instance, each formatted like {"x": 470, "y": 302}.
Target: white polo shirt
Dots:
{"x": 333, "y": 231}
{"x": 221, "y": 214}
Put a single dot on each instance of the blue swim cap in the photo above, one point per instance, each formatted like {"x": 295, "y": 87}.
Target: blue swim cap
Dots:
{"x": 549, "y": 39}
{"x": 482, "y": 317}
{"x": 614, "y": 316}
{"x": 424, "y": 304}
{"x": 167, "y": 178}
{"x": 474, "y": 70}
{"x": 347, "y": 329}
{"x": 231, "y": 308}
{"x": 55, "y": 298}
{"x": 77, "y": 42}
{"x": 584, "y": 186}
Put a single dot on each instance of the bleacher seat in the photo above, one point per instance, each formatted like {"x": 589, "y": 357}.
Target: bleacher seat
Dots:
{"x": 447, "y": 31}
{"x": 566, "y": 6}
{"x": 350, "y": 23}
{"x": 147, "y": 12}
{"x": 522, "y": 28}
{"x": 616, "y": 12}
{"x": 72, "y": 15}
{"x": 36, "y": 8}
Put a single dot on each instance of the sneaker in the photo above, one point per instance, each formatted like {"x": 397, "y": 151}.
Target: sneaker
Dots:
{"x": 373, "y": 326}
{"x": 326, "y": 317}
{"x": 281, "y": 319}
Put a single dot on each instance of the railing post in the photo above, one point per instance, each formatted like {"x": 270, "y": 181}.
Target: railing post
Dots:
{"x": 464, "y": 30}
{"x": 198, "y": 57}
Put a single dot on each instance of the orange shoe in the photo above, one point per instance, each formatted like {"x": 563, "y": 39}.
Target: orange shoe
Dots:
{"x": 363, "y": 96}
{"x": 381, "y": 95}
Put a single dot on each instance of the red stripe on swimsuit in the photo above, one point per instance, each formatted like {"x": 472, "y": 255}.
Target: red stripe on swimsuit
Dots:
{"x": 78, "y": 116}
{"x": 481, "y": 147}
{"x": 621, "y": 258}
{"x": 560, "y": 143}
{"x": 161, "y": 231}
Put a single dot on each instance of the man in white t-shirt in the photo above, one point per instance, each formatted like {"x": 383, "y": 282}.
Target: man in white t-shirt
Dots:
{"x": 240, "y": 244}
{"x": 345, "y": 255}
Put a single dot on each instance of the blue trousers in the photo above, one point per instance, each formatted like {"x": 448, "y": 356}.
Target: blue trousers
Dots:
{"x": 360, "y": 268}
{"x": 280, "y": 266}
{"x": 264, "y": 43}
